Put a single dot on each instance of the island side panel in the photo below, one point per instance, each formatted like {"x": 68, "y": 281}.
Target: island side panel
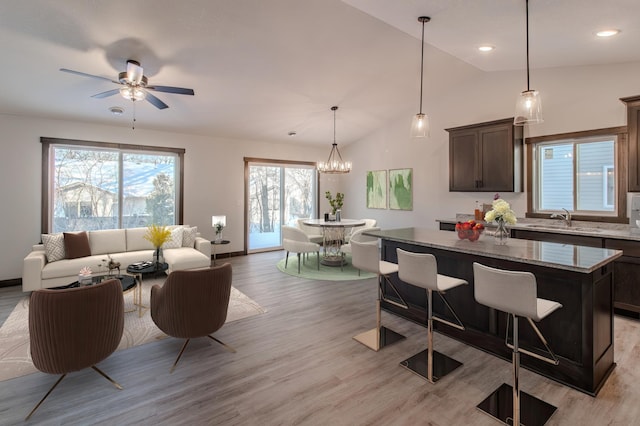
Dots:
{"x": 581, "y": 333}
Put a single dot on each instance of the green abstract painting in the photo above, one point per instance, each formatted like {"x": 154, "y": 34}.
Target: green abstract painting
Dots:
{"x": 377, "y": 189}
{"x": 401, "y": 189}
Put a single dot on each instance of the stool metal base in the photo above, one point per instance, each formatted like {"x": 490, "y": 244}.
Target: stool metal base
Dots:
{"x": 387, "y": 337}
{"x": 533, "y": 411}
{"x": 442, "y": 365}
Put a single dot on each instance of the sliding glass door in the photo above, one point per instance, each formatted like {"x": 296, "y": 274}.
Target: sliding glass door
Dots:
{"x": 278, "y": 194}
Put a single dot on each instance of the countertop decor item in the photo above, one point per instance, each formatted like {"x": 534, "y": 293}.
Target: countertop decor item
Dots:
{"x": 502, "y": 215}
{"x": 469, "y": 230}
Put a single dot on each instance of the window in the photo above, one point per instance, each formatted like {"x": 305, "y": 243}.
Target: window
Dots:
{"x": 93, "y": 185}
{"x": 579, "y": 172}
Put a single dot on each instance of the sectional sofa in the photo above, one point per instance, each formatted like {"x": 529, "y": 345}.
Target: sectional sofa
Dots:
{"x": 47, "y": 265}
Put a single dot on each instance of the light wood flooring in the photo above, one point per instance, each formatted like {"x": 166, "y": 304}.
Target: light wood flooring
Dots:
{"x": 297, "y": 364}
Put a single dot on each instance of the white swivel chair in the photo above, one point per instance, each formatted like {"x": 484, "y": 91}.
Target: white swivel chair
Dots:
{"x": 421, "y": 270}
{"x": 295, "y": 240}
{"x": 515, "y": 292}
{"x": 368, "y": 223}
{"x": 361, "y": 238}
{"x": 366, "y": 257}
{"x": 314, "y": 234}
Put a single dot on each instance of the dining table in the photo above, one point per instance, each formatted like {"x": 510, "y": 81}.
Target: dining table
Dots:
{"x": 333, "y": 237}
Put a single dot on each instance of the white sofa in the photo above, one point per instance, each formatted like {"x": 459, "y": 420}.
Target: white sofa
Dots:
{"x": 126, "y": 246}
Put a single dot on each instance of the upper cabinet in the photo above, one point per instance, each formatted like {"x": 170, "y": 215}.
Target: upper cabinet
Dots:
{"x": 633, "y": 121}
{"x": 486, "y": 157}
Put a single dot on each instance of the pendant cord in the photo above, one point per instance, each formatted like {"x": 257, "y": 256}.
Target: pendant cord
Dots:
{"x": 422, "y": 66}
{"x": 527, "y": 14}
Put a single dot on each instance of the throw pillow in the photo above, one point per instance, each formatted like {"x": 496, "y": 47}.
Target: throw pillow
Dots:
{"x": 76, "y": 244}
{"x": 53, "y": 246}
{"x": 175, "y": 241}
{"x": 189, "y": 236}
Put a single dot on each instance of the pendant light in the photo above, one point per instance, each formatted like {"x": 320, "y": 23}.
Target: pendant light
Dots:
{"x": 420, "y": 123}
{"x": 335, "y": 163}
{"x": 528, "y": 104}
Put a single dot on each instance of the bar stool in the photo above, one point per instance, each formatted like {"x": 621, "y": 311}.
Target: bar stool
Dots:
{"x": 366, "y": 257}
{"x": 421, "y": 270}
{"x": 515, "y": 292}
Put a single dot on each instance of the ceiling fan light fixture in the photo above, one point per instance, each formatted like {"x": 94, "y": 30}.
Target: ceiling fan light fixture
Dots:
{"x": 132, "y": 93}
{"x": 334, "y": 164}
{"x": 529, "y": 104}
{"x": 420, "y": 122}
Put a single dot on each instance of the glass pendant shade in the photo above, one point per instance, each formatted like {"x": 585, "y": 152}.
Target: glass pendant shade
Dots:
{"x": 528, "y": 108}
{"x": 420, "y": 126}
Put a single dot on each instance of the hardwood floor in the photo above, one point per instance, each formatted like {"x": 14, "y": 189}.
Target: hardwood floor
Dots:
{"x": 297, "y": 364}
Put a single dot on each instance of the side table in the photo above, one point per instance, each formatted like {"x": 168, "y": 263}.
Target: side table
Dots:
{"x": 215, "y": 243}
{"x": 141, "y": 269}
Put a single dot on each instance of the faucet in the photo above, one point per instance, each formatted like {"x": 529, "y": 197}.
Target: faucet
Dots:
{"x": 565, "y": 217}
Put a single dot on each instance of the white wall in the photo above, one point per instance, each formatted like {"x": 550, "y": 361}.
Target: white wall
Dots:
{"x": 573, "y": 99}
{"x": 579, "y": 98}
{"x": 214, "y": 177}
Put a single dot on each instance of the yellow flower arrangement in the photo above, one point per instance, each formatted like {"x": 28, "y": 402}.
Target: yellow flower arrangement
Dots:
{"x": 157, "y": 235}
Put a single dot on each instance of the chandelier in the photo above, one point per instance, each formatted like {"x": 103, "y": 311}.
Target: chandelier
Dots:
{"x": 335, "y": 163}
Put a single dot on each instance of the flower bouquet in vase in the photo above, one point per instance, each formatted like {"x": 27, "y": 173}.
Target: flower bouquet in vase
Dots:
{"x": 157, "y": 235}
{"x": 502, "y": 215}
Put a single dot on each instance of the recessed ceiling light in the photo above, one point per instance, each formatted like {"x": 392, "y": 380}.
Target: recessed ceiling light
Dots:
{"x": 486, "y": 48}
{"x": 607, "y": 33}
{"x": 116, "y": 110}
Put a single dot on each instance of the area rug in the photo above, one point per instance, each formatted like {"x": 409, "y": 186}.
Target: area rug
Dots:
{"x": 15, "y": 354}
{"x": 309, "y": 270}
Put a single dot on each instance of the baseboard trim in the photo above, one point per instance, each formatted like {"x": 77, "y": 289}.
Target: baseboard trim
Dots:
{"x": 227, "y": 255}
{"x": 11, "y": 282}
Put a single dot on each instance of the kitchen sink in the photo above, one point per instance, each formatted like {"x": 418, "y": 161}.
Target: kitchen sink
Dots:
{"x": 568, "y": 228}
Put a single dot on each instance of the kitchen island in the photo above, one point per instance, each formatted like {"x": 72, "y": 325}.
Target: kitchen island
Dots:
{"x": 579, "y": 277}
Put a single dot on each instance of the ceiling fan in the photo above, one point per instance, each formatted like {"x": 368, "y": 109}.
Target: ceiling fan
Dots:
{"x": 133, "y": 85}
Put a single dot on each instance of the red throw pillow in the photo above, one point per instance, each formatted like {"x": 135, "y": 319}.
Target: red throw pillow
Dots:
{"x": 76, "y": 244}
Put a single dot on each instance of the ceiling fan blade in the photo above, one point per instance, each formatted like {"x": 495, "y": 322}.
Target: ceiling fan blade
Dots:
{"x": 84, "y": 74}
{"x": 170, "y": 89}
{"x": 156, "y": 102}
{"x": 106, "y": 94}
{"x": 134, "y": 72}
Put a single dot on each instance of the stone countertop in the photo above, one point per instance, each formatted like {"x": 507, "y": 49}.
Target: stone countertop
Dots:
{"x": 589, "y": 229}
{"x": 552, "y": 255}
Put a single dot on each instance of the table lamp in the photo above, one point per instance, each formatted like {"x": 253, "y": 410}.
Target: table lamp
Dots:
{"x": 218, "y": 223}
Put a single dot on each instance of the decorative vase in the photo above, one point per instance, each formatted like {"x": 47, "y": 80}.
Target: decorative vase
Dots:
{"x": 501, "y": 234}
{"x": 158, "y": 259}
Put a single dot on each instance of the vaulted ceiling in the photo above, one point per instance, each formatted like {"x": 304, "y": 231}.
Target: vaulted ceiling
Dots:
{"x": 263, "y": 68}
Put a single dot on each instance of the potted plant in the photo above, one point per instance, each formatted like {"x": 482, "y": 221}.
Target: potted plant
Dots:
{"x": 335, "y": 203}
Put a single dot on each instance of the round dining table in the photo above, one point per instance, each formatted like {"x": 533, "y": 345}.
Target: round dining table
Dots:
{"x": 333, "y": 237}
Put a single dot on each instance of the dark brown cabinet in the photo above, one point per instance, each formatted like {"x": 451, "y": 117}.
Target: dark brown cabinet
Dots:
{"x": 626, "y": 273}
{"x": 626, "y": 269}
{"x": 486, "y": 157}
{"x": 633, "y": 121}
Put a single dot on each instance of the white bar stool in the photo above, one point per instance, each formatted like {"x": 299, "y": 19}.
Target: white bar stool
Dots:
{"x": 366, "y": 257}
{"x": 421, "y": 270}
{"x": 515, "y": 292}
